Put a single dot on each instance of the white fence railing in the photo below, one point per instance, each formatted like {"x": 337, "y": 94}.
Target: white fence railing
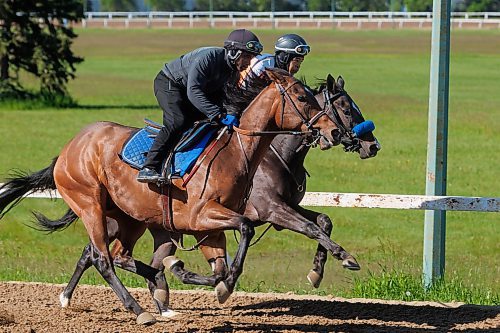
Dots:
{"x": 286, "y": 19}
{"x": 394, "y": 201}
{"x": 291, "y": 15}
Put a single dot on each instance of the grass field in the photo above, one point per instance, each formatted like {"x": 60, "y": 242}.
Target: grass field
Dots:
{"x": 386, "y": 72}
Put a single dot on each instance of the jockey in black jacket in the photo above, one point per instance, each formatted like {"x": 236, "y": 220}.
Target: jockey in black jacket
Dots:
{"x": 189, "y": 88}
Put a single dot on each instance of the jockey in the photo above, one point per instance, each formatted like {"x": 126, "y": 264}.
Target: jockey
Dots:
{"x": 290, "y": 50}
{"x": 190, "y": 87}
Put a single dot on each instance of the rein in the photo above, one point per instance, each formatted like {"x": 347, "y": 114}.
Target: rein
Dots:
{"x": 284, "y": 97}
{"x": 300, "y": 187}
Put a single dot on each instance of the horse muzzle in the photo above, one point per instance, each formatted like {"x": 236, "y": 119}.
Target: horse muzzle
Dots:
{"x": 333, "y": 139}
{"x": 369, "y": 149}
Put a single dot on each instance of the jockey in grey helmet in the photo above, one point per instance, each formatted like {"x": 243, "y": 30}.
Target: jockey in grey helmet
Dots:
{"x": 191, "y": 87}
{"x": 290, "y": 50}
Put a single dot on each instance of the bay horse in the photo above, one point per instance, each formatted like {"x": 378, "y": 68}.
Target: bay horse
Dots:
{"x": 96, "y": 184}
{"x": 278, "y": 187}
{"x": 280, "y": 184}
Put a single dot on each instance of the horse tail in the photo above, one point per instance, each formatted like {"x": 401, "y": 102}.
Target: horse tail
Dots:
{"x": 21, "y": 183}
{"x": 49, "y": 226}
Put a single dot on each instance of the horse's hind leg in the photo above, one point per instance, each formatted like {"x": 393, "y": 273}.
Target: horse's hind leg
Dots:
{"x": 89, "y": 208}
{"x": 83, "y": 264}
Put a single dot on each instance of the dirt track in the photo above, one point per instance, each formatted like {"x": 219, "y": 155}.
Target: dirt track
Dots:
{"x": 34, "y": 307}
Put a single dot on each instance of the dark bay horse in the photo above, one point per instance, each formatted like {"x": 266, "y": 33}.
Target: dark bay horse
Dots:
{"x": 279, "y": 186}
{"x": 97, "y": 185}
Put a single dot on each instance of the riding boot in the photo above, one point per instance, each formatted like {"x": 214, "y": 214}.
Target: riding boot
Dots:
{"x": 151, "y": 170}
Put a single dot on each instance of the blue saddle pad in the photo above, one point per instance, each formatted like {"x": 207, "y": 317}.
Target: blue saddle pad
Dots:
{"x": 136, "y": 148}
{"x": 185, "y": 155}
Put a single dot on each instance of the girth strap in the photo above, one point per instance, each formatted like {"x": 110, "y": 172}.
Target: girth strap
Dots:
{"x": 166, "y": 199}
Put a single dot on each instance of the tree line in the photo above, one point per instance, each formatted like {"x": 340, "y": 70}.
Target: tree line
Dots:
{"x": 295, "y": 5}
{"x": 36, "y": 35}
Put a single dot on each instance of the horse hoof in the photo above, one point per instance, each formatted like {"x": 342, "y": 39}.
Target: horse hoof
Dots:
{"x": 169, "y": 313}
{"x": 145, "y": 318}
{"x": 222, "y": 292}
{"x": 64, "y": 300}
{"x": 170, "y": 262}
{"x": 160, "y": 295}
{"x": 351, "y": 264}
{"x": 314, "y": 278}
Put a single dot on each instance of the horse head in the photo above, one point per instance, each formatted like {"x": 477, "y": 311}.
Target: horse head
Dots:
{"x": 299, "y": 109}
{"x": 356, "y": 133}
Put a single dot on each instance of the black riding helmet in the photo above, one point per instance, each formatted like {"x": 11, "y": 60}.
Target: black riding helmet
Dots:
{"x": 242, "y": 40}
{"x": 288, "y": 47}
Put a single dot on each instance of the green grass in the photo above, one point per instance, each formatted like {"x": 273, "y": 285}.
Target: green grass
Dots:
{"x": 386, "y": 72}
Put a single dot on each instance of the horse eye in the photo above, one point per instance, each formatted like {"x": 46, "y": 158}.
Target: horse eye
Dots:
{"x": 302, "y": 98}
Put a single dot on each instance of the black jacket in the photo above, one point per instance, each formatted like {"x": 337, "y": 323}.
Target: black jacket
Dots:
{"x": 203, "y": 72}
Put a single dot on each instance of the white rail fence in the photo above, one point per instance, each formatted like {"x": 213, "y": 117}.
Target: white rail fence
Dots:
{"x": 393, "y": 201}
{"x": 347, "y": 20}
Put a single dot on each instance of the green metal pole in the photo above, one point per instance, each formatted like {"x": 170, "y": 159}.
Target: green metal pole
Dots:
{"x": 437, "y": 142}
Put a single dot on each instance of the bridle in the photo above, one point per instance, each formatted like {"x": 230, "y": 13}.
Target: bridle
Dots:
{"x": 348, "y": 139}
{"x": 306, "y": 119}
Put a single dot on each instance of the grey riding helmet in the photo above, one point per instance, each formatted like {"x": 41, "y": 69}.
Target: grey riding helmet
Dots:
{"x": 242, "y": 40}
{"x": 288, "y": 47}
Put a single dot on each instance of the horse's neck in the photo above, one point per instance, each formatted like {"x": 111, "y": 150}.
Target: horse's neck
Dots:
{"x": 259, "y": 116}
{"x": 291, "y": 149}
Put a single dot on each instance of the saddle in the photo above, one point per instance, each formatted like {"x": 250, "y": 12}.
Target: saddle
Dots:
{"x": 184, "y": 155}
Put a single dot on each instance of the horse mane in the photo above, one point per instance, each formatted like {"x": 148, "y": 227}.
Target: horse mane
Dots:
{"x": 237, "y": 98}
{"x": 319, "y": 86}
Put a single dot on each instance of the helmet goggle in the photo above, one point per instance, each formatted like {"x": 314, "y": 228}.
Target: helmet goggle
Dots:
{"x": 254, "y": 46}
{"x": 299, "y": 49}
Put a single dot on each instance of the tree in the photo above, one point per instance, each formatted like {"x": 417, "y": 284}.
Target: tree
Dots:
{"x": 166, "y": 5}
{"x": 35, "y": 38}
{"x": 419, "y": 5}
{"x": 222, "y": 5}
{"x": 280, "y": 5}
{"x": 363, "y": 5}
{"x": 483, "y": 5}
{"x": 319, "y": 5}
{"x": 118, "y": 5}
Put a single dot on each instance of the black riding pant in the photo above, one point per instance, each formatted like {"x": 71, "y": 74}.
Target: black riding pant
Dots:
{"x": 178, "y": 115}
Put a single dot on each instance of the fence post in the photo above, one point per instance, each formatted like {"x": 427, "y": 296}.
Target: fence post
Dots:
{"x": 437, "y": 142}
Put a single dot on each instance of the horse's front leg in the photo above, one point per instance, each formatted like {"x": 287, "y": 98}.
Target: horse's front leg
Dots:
{"x": 315, "y": 275}
{"x": 163, "y": 248}
{"x": 213, "y": 247}
{"x": 215, "y": 217}
{"x": 294, "y": 218}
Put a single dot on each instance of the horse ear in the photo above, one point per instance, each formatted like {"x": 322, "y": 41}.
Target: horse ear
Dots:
{"x": 330, "y": 82}
{"x": 276, "y": 75}
{"x": 340, "y": 82}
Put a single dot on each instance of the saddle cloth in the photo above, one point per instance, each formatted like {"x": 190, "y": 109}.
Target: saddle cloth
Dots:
{"x": 185, "y": 153}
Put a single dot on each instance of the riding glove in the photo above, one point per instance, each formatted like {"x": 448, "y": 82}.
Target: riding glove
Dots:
{"x": 229, "y": 120}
